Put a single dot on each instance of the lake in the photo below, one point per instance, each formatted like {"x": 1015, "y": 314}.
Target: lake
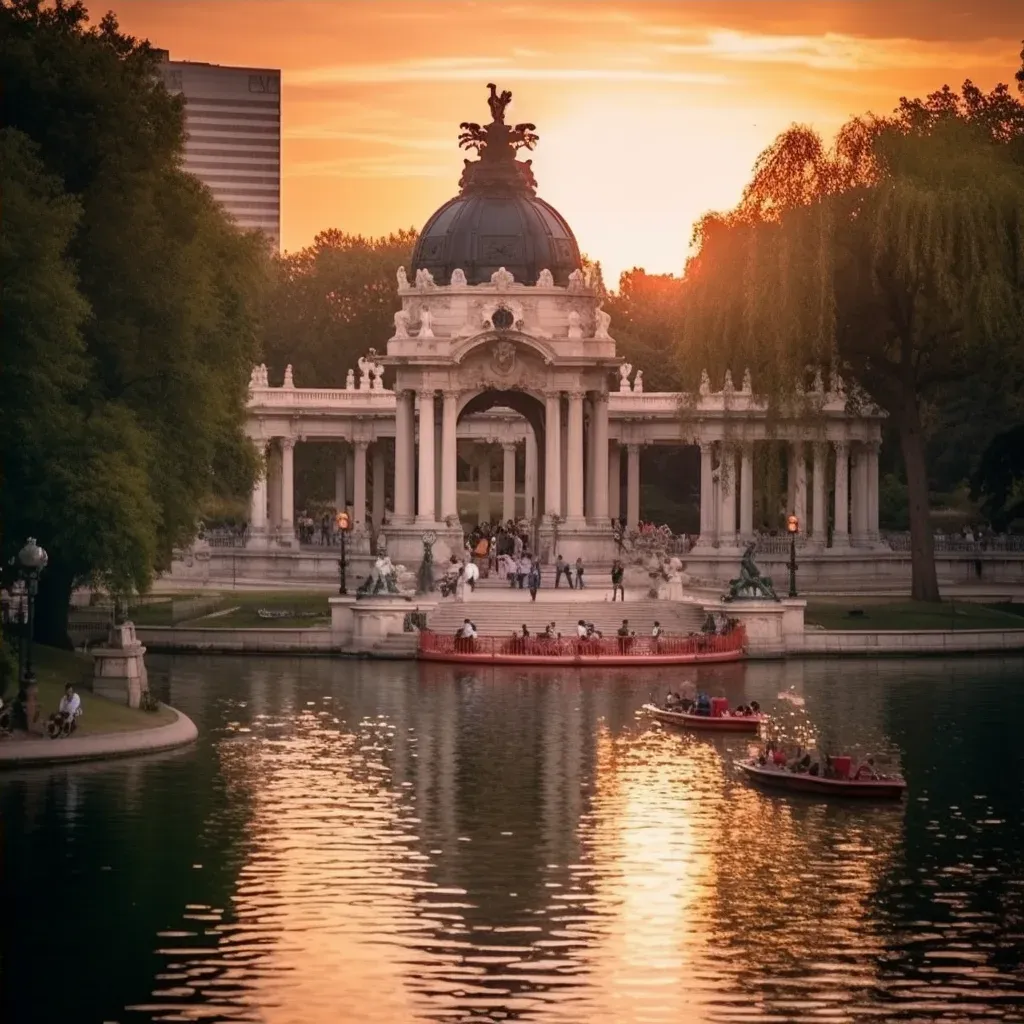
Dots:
{"x": 369, "y": 842}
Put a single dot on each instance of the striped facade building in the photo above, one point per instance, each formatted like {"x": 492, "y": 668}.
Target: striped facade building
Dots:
{"x": 233, "y": 121}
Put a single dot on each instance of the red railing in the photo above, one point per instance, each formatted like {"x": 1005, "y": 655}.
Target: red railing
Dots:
{"x": 570, "y": 648}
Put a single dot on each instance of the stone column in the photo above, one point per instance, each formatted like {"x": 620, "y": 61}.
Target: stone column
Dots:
{"x": 564, "y": 462}
{"x": 508, "y": 481}
{"x": 288, "y": 487}
{"x": 553, "y": 455}
{"x": 747, "y": 491}
{"x": 858, "y": 494}
{"x": 425, "y": 512}
{"x": 590, "y": 451}
{"x": 533, "y": 511}
{"x": 403, "y": 457}
{"x": 449, "y": 455}
{"x": 799, "y": 507}
{"x": 359, "y": 485}
{"x": 872, "y": 489}
{"x": 350, "y": 476}
{"x": 614, "y": 480}
{"x": 438, "y": 464}
{"x": 707, "y": 484}
{"x": 274, "y": 484}
{"x": 599, "y": 440}
{"x": 632, "y": 486}
{"x": 258, "y": 502}
{"x": 819, "y": 526}
{"x": 340, "y": 480}
{"x": 378, "y": 484}
{"x": 841, "y": 527}
{"x": 574, "y": 507}
{"x": 727, "y": 493}
{"x": 483, "y": 511}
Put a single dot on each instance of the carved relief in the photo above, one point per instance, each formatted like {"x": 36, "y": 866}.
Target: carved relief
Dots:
{"x": 575, "y": 324}
{"x": 503, "y": 357}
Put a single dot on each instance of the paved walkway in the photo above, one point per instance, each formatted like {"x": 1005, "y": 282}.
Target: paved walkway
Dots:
{"x": 17, "y": 753}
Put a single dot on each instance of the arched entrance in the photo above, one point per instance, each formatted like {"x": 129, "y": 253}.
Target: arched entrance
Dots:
{"x": 531, "y": 408}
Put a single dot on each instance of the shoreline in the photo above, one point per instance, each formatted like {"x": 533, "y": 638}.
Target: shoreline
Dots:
{"x": 42, "y": 751}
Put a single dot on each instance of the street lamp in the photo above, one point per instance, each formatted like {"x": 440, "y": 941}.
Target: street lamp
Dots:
{"x": 32, "y": 561}
{"x": 343, "y": 523}
{"x": 793, "y": 525}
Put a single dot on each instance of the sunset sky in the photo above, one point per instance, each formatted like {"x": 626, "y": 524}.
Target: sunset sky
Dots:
{"x": 648, "y": 113}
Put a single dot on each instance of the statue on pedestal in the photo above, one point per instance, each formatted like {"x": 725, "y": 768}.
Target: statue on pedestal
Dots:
{"x": 575, "y": 325}
{"x": 604, "y": 321}
{"x": 750, "y": 585}
{"x": 383, "y": 579}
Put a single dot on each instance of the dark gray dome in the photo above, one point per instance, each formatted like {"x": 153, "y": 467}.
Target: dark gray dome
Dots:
{"x": 480, "y": 233}
{"x": 497, "y": 220}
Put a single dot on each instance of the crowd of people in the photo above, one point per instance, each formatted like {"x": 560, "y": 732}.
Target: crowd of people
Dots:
{"x": 814, "y": 763}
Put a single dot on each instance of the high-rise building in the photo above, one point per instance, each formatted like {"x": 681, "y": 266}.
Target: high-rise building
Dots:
{"x": 233, "y": 121}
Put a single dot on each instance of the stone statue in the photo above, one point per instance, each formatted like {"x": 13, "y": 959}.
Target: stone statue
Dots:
{"x": 728, "y": 386}
{"x": 750, "y": 585}
{"x": 836, "y": 385}
{"x": 350, "y": 381}
{"x": 289, "y": 380}
{"x": 401, "y": 324}
{"x": 576, "y": 281}
{"x": 383, "y": 579}
{"x": 403, "y": 279}
{"x": 458, "y": 278}
{"x": 748, "y": 384}
{"x": 575, "y": 324}
{"x": 638, "y": 383}
{"x": 819, "y": 385}
{"x": 425, "y": 575}
{"x": 624, "y": 371}
{"x": 705, "y": 383}
{"x": 546, "y": 279}
{"x": 365, "y": 366}
{"x": 377, "y": 373}
{"x": 501, "y": 278}
{"x": 426, "y": 324}
{"x": 424, "y": 278}
{"x": 255, "y": 381}
{"x": 603, "y": 323}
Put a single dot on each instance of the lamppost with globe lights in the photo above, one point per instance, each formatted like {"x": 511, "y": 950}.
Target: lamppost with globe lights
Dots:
{"x": 793, "y": 525}
{"x": 32, "y": 561}
{"x": 343, "y": 523}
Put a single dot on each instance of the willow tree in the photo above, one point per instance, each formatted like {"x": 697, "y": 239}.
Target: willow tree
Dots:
{"x": 894, "y": 260}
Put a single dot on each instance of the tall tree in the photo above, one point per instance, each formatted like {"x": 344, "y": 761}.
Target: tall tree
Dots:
{"x": 131, "y": 389}
{"x": 331, "y": 302}
{"x": 893, "y": 258}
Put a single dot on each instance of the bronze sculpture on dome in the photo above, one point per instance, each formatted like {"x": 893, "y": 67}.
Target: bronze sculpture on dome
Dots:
{"x": 497, "y": 144}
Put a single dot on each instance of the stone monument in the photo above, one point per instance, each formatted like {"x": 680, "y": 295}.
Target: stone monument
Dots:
{"x": 119, "y": 669}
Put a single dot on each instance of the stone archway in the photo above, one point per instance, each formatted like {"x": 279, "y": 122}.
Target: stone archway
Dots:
{"x": 531, "y": 408}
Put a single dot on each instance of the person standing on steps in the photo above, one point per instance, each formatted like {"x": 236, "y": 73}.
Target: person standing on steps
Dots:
{"x": 533, "y": 580}
{"x": 617, "y": 575}
{"x": 560, "y": 568}
{"x": 579, "y": 573}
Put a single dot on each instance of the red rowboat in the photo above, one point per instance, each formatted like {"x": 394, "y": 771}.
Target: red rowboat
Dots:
{"x": 800, "y": 782}
{"x": 716, "y": 723}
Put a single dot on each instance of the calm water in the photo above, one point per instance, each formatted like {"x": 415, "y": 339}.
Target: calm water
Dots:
{"x": 363, "y": 843}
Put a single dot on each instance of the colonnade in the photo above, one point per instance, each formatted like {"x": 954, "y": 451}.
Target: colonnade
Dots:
{"x": 832, "y": 486}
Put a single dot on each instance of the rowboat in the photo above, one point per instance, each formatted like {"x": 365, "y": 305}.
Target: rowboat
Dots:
{"x": 716, "y": 723}
{"x": 890, "y": 788}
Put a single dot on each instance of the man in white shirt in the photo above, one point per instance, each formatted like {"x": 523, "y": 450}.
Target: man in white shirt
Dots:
{"x": 70, "y": 703}
{"x": 581, "y": 630}
{"x": 467, "y": 631}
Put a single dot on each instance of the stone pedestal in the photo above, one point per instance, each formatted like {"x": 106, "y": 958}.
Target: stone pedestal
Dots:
{"x": 119, "y": 668}
{"x": 769, "y": 624}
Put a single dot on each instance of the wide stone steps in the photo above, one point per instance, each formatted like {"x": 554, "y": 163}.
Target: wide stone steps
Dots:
{"x": 493, "y": 618}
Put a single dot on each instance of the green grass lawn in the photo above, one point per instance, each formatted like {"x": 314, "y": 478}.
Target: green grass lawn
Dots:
{"x": 908, "y": 615}
{"x": 54, "y": 668}
{"x": 310, "y": 609}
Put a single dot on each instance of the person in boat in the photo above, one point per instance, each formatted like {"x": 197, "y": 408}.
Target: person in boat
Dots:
{"x": 656, "y": 631}
{"x": 865, "y": 770}
{"x": 526, "y": 632}
{"x": 467, "y": 631}
{"x": 582, "y": 633}
{"x": 755, "y": 708}
{"x": 672, "y": 701}
{"x": 702, "y": 706}
{"x": 592, "y": 632}
{"x": 549, "y": 631}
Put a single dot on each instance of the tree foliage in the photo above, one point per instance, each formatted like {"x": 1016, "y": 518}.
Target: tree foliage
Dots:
{"x": 331, "y": 302}
{"x": 130, "y": 311}
{"x": 895, "y": 257}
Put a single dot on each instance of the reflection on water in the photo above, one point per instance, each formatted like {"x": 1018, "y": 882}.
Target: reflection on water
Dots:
{"x": 369, "y": 842}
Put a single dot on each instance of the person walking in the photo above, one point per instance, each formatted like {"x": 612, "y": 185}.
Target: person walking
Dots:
{"x": 579, "y": 573}
{"x": 617, "y": 575}
{"x": 560, "y": 568}
{"x": 533, "y": 580}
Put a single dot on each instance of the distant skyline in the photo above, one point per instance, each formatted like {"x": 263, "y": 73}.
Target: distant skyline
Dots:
{"x": 649, "y": 114}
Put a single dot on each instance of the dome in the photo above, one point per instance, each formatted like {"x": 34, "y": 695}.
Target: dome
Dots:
{"x": 482, "y": 233}
{"x": 497, "y": 220}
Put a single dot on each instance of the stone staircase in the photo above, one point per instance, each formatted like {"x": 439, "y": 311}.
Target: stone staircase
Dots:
{"x": 501, "y": 618}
